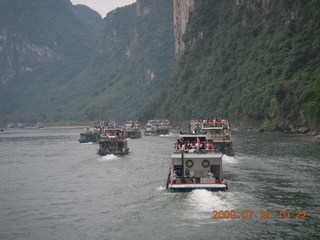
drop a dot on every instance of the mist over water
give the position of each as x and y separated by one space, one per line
53 187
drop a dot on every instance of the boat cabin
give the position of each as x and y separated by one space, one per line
197 168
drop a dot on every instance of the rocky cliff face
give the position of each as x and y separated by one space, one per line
181 12
20 56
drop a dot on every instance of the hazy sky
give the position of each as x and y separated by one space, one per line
103 6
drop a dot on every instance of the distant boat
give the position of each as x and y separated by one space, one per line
157 127
11 125
90 134
132 129
20 125
216 129
113 142
219 131
39 125
93 132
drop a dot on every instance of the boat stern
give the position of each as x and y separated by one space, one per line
188 187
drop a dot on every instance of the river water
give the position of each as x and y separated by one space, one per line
53 187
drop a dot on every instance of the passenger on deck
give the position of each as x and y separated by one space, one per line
183 147
192 150
211 147
207 146
174 177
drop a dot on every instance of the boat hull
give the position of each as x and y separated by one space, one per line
188 187
105 153
87 141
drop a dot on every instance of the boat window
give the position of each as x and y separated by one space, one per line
189 163
205 163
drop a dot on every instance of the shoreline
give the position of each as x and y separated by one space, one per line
65 126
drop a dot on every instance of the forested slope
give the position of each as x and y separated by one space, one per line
43 45
133 59
60 66
255 62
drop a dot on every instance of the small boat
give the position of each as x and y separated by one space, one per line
20 125
90 134
157 127
94 130
39 125
218 130
113 142
195 165
11 125
149 130
132 129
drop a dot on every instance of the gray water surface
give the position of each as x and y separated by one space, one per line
53 187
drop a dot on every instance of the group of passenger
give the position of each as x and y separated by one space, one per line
191 146
110 133
104 123
159 123
215 122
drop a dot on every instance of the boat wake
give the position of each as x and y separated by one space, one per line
206 201
169 135
108 158
161 188
201 203
229 159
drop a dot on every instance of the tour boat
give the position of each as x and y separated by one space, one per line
92 132
89 134
216 129
195 165
132 129
113 142
157 127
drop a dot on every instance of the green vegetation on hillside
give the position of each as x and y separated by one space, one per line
66 72
43 45
253 63
133 59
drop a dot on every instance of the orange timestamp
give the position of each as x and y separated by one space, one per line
249 214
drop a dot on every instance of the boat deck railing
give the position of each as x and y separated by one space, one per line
197 151
215 124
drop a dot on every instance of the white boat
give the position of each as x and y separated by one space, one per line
195 165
